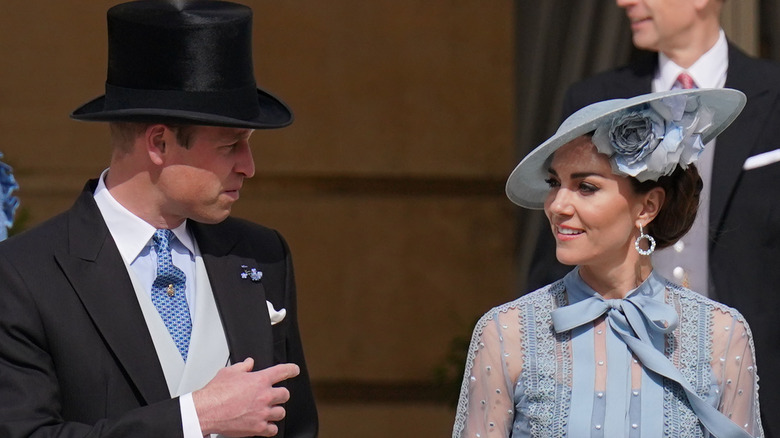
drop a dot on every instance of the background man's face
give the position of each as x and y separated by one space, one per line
660 25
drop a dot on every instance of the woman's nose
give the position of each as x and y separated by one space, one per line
560 202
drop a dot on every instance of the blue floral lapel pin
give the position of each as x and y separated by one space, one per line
251 273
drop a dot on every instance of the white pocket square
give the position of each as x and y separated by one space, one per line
276 315
762 160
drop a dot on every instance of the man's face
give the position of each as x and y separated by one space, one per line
661 25
203 181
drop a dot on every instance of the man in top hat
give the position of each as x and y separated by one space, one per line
732 250
145 310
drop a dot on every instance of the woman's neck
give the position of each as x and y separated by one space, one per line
616 283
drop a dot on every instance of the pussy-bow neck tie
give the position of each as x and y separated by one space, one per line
633 319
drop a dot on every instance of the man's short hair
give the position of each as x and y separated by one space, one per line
123 134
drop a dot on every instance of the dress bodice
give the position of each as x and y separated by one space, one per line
523 377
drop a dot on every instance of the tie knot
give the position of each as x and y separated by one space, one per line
161 239
614 304
685 81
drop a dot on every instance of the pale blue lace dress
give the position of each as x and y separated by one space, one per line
525 379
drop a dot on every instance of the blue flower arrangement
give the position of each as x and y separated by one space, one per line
8 203
650 142
252 274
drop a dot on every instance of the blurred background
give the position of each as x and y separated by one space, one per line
389 186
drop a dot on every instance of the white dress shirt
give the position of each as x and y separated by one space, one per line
133 238
686 262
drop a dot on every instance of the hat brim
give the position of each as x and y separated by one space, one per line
526 185
273 114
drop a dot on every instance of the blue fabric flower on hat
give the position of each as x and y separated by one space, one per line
650 141
8 203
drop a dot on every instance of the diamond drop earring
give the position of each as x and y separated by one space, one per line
650 241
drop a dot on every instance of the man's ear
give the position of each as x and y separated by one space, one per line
711 6
155 140
651 205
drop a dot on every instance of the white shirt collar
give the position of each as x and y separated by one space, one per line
131 233
709 71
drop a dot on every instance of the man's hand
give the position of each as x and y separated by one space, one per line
240 402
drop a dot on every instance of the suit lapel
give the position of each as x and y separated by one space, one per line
635 86
95 268
735 144
241 302
637 79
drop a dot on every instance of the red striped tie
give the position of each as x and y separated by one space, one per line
685 81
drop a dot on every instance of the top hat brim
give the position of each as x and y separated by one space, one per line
527 186
273 113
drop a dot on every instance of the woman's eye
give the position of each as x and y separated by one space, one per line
552 182
588 188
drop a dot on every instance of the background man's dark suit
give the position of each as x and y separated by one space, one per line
744 250
76 355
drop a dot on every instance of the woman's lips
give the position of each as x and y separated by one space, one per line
567 233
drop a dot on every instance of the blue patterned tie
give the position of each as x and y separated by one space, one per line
168 294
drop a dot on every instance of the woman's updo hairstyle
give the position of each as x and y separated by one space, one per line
681 203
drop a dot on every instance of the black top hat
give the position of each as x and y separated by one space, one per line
183 61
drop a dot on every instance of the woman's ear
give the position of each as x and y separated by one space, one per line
651 205
154 138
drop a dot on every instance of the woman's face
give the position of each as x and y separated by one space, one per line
593 213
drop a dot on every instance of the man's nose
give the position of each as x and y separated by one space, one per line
245 163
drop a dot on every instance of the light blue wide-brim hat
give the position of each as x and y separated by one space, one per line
526 185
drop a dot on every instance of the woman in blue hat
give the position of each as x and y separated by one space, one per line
613 349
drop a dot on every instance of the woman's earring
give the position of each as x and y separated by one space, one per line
650 241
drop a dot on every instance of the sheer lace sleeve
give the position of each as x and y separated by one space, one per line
486 404
733 363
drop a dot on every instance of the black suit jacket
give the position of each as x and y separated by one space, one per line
744 250
76 358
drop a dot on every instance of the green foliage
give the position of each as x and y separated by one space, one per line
21 220
448 375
